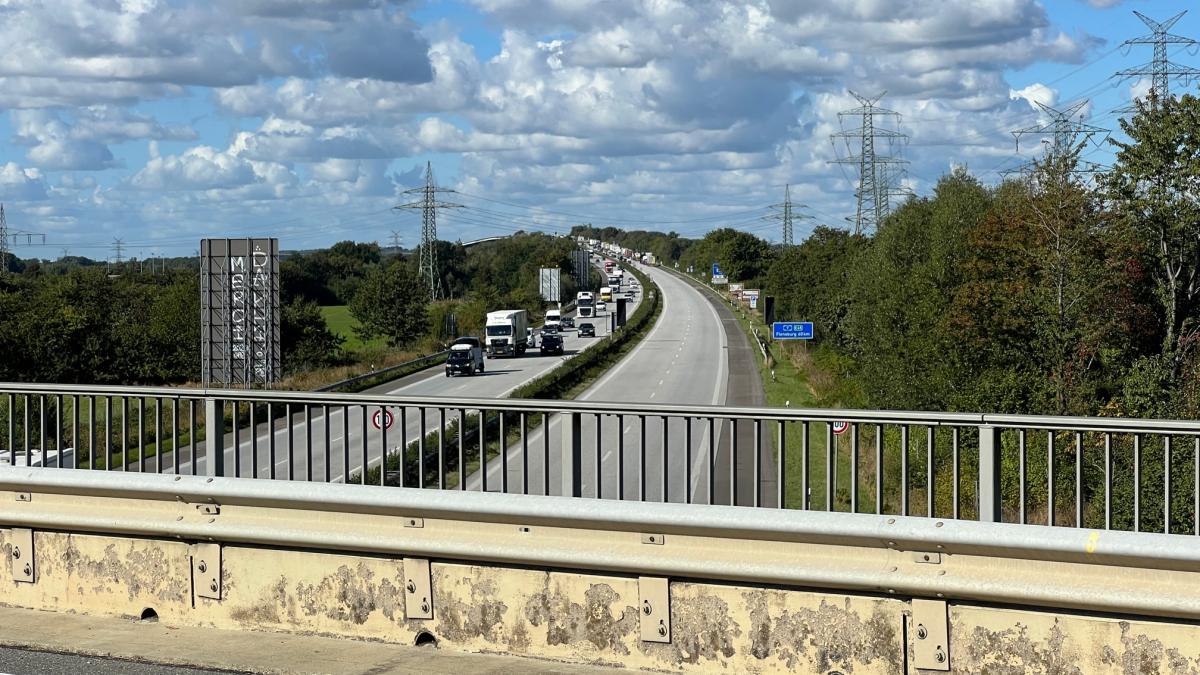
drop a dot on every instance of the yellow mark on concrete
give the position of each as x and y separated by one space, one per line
1093 539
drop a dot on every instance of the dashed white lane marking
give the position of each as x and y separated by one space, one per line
652 394
660 381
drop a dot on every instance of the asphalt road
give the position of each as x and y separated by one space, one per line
24 662
343 434
684 359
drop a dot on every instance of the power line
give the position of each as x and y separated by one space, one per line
875 175
429 205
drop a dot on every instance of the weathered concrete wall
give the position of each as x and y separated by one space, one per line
580 617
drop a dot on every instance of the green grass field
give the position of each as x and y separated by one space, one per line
343 323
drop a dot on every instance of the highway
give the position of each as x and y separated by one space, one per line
344 433
684 359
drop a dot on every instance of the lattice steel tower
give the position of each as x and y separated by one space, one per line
9 238
3 242
1160 69
786 214
1063 128
876 172
429 204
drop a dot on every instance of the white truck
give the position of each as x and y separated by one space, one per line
507 332
585 304
553 318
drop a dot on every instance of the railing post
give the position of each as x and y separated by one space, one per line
989 474
572 454
214 436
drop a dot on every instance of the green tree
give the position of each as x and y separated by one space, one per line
392 303
896 328
809 280
306 341
1153 188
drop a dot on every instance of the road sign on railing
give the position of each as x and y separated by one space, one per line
792 330
382 418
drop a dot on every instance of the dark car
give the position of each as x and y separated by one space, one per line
552 343
464 359
586 330
568 322
549 328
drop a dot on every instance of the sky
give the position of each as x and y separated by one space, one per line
161 122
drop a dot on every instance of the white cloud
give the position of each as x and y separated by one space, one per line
21 185
640 108
1036 93
82 143
206 168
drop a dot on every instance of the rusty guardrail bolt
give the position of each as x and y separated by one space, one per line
939 656
662 630
28 570
16 553
425 606
213 586
646 608
411 587
922 633
203 567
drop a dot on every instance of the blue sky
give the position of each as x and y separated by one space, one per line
161 122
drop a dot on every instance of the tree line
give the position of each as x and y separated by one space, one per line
1060 292
75 320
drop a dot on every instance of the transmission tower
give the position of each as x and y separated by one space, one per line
396 238
876 172
118 247
785 214
429 204
1160 69
10 237
1064 131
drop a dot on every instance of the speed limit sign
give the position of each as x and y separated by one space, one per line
382 418
840 428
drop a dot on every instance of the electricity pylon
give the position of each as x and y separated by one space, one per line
429 205
876 178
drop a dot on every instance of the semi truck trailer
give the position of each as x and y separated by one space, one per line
507 332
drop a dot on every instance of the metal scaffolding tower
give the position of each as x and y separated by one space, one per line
429 205
878 174
1160 69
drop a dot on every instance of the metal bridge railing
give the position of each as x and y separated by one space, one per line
1100 473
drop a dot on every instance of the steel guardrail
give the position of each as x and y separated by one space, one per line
1059 568
1110 473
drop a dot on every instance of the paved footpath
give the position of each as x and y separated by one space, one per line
33 643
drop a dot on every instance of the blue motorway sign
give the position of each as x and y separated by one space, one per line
717 271
792 330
